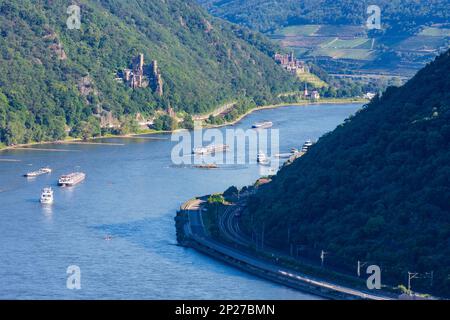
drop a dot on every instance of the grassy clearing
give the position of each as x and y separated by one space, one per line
300 30
312 79
415 43
435 32
299 51
345 44
369 44
355 54
342 31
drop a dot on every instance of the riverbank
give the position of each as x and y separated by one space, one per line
301 103
191 233
152 131
70 140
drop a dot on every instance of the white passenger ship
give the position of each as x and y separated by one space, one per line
39 172
71 179
210 149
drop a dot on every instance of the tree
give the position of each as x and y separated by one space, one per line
128 125
3 110
86 129
165 123
56 129
14 132
188 122
231 193
216 199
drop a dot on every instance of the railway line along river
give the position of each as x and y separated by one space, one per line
117 226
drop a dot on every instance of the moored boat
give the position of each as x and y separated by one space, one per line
71 179
308 144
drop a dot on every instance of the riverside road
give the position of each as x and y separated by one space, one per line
228 225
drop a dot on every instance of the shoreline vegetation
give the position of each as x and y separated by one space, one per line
300 103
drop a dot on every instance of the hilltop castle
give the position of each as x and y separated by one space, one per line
136 76
290 62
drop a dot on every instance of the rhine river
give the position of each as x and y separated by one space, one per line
131 192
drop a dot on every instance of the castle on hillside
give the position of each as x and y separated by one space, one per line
290 62
136 76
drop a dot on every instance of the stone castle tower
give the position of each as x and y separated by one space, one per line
136 76
137 80
157 78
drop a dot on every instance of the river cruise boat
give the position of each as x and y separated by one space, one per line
71 179
207 166
47 196
262 125
39 172
211 149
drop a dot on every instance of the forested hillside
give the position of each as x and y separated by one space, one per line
375 189
53 79
268 15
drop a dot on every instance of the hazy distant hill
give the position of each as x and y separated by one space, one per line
334 34
375 189
51 76
267 15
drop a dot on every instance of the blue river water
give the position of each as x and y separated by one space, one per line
131 192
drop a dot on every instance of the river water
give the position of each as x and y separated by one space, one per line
131 192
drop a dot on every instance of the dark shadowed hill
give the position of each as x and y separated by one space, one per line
375 189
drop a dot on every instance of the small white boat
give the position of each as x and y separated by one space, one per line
262 159
71 179
262 125
39 172
47 196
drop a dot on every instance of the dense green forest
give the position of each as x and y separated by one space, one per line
53 80
268 15
376 189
